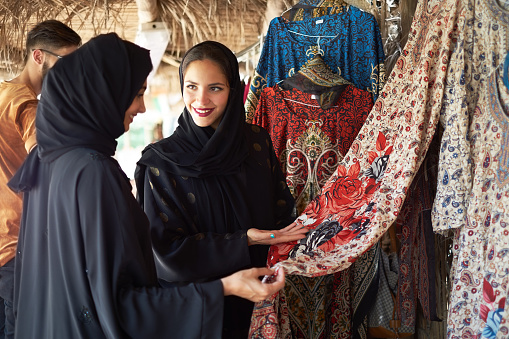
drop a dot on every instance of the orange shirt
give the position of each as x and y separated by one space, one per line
18 104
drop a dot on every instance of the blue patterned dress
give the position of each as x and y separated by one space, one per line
349 42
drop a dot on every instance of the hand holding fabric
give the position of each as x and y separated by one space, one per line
246 284
290 233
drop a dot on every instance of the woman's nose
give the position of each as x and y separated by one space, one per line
202 98
142 108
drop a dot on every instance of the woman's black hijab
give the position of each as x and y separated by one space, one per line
84 99
202 151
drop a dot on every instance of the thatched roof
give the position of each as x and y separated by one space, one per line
236 23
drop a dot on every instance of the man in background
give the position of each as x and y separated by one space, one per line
47 42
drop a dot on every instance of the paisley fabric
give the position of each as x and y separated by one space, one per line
473 190
366 193
317 71
349 42
480 275
364 5
416 280
315 77
303 11
450 70
310 141
481 47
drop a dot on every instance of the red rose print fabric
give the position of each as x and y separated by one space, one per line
366 192
452 70
310 141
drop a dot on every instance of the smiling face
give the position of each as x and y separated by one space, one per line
205 92
137 106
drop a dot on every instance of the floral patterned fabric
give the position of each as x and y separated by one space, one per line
310 141
452 70
416 280
349 42
480 273
303 11
365 194
481 47
473 185
315 77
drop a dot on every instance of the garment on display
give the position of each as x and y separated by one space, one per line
449 73
313 111
355 52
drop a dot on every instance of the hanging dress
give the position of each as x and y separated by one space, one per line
472 191
450 69
364 196
310 141
203 189
349 42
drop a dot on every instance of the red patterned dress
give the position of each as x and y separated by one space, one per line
310 141
365 194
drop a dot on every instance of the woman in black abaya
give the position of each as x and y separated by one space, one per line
84 266
213 191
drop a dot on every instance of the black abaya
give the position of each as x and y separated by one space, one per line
84 267
202 189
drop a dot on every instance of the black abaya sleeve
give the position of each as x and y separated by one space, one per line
121 271
84 266
184 252
284 211
198 225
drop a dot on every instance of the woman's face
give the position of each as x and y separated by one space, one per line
205 92
137 106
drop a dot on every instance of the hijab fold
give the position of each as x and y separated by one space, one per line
84 99
199 152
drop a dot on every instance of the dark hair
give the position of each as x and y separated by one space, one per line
51 34
213 51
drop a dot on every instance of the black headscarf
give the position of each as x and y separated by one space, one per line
84 99
85 96
199 152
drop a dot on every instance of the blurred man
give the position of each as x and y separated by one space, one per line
46 43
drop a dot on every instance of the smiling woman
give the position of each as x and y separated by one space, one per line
84 246
206 92
137 106
213 191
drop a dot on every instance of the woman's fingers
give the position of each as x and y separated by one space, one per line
293 227
247 284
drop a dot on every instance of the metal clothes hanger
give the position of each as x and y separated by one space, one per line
301 103
297 6
313 36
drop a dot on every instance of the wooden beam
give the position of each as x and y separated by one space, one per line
147 11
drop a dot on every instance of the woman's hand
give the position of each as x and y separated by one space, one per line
247 284
291 232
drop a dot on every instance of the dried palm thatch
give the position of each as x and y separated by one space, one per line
87 17
236 23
